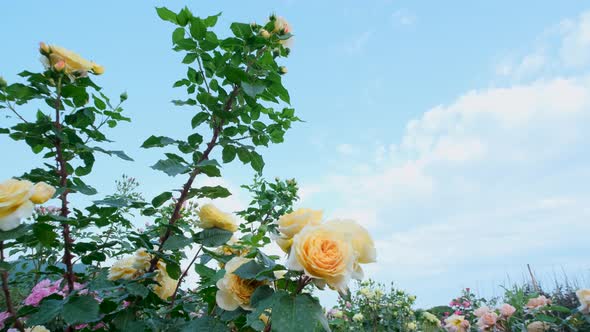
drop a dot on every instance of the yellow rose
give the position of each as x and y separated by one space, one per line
292 223
284 243
211 216
457 323
74 63
233 291
166 285
42 192
38 328
584 298
358 317
323 253
15 203
44 48
123 269
142 260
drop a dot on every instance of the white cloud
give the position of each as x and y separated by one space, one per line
494 177
346 149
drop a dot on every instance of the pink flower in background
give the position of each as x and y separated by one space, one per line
458 312
487 320
466 304
481 311
45 288
41 290
348 305
537 302
507 310
3 316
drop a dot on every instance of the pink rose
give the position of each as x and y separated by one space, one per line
481 311
466 304
458 312
537 302
3 316
507 310
487 320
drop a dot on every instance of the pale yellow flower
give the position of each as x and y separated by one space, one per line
74 63
233 291
38 328
411 326
431 319
166 285
584 298
284 243
142 260
323 253
42 192
358 317
281 25
362 243
123 269
264 34
15 203
292 223
211 216
457 323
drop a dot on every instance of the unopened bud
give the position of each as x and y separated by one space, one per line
283 70
264 34
60 65
3 83
44 48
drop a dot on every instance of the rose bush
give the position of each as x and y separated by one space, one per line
93 268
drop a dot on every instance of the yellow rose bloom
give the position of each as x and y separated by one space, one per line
166 285
123 269
233 291
142 260
584 298
292 223
42 192
211 216
38 328
323 253
74 62
457 323
15 203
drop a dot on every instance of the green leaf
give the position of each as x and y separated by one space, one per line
157 141
170 166
198 28
190 58
14 233
177 241
199 118
81 309
161 198
48 310
211 192
256 161
228 154
44 233
213 237
252 90
166 14
177 35
254 271
137 289
173 270
241 30
205 323
297 313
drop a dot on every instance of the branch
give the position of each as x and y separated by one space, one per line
63 182
6 290
184 275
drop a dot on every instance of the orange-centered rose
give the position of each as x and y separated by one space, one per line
323 253
234 291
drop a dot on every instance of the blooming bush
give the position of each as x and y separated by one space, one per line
93 269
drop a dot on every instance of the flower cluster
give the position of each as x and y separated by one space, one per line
17 200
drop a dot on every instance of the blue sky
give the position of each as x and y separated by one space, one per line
456 133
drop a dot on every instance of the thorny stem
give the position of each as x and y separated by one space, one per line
184 275
9 306
187 186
